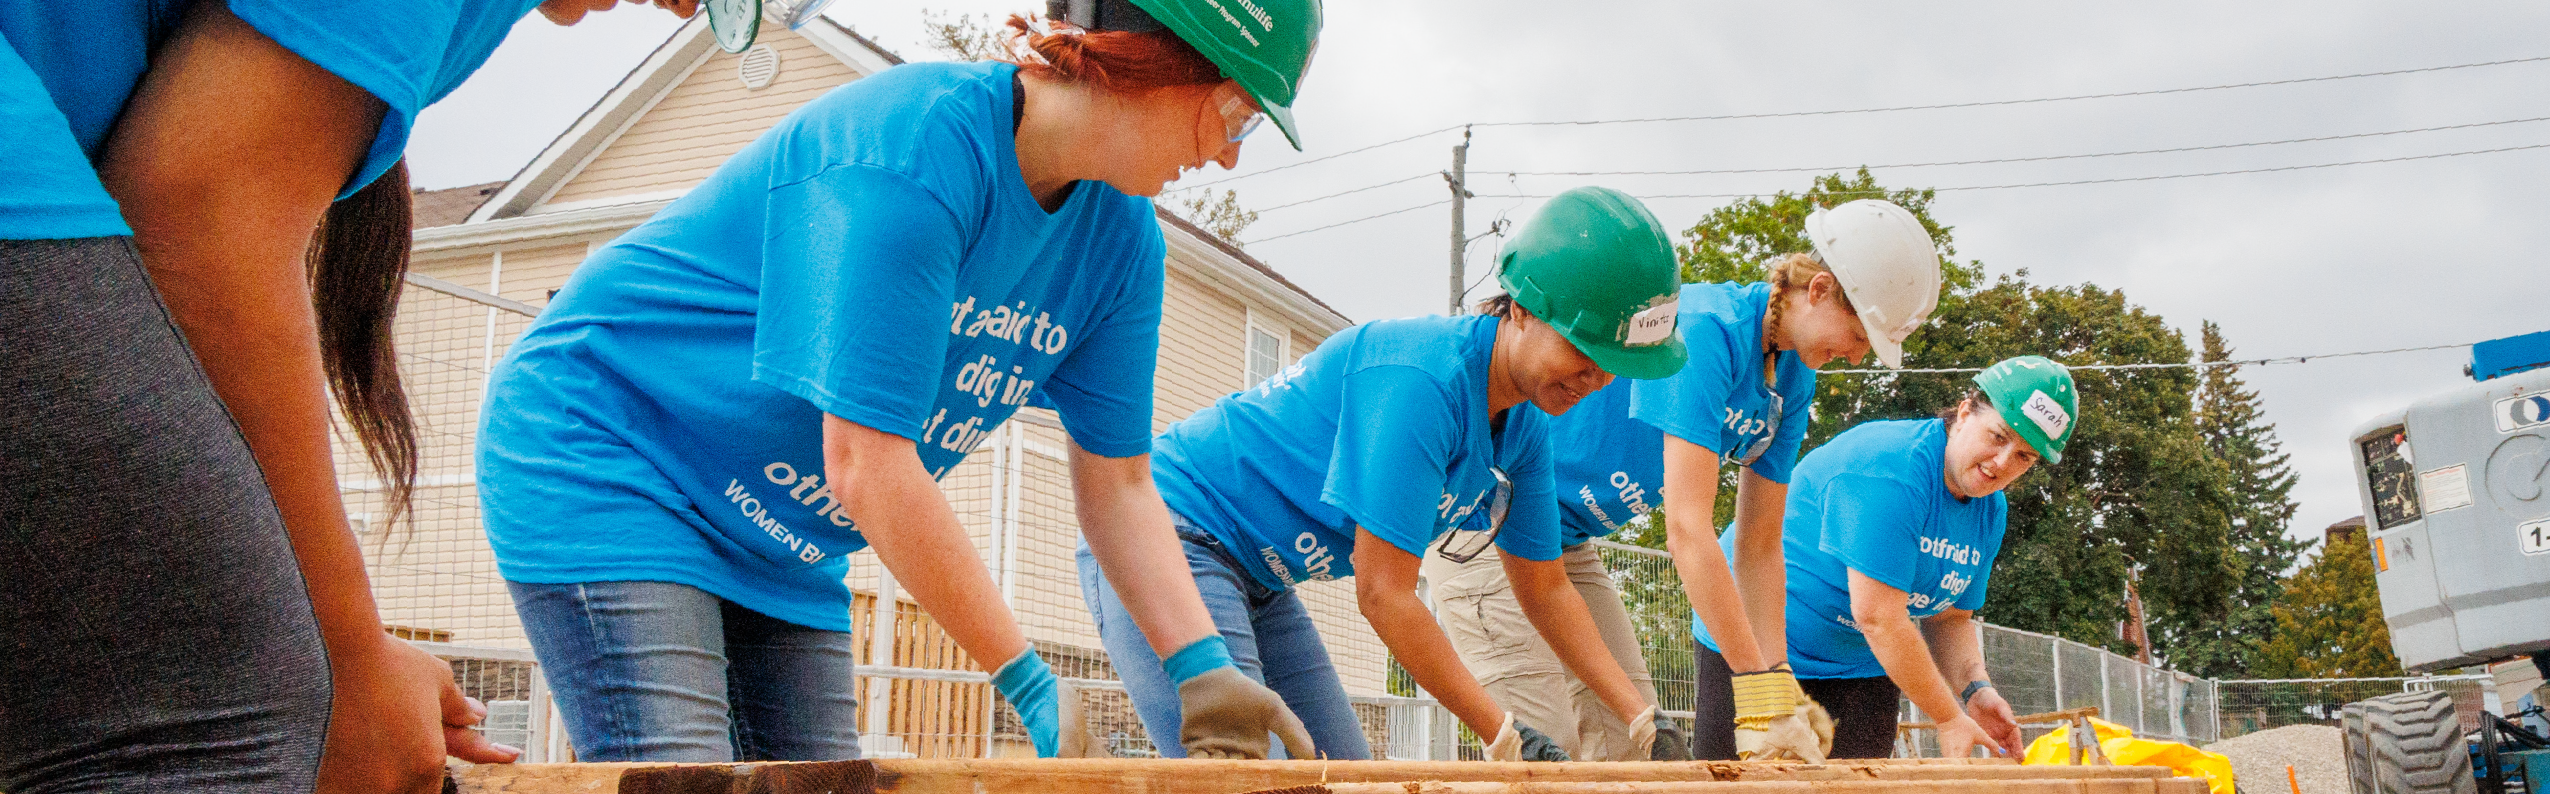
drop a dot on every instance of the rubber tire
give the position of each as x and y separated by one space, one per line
2409 743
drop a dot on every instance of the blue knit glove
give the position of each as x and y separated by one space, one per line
1029 686
1197 658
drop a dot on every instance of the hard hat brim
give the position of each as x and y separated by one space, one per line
1889 352
1648 362
1282 115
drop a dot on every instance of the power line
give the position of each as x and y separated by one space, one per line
2109 180
1436 203
2005 102
1416 137
1426 175
1704 172
2160 365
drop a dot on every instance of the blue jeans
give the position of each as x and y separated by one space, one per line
1252 618
654 671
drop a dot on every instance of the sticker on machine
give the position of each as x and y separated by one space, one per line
2444 489
2534 537
2522 411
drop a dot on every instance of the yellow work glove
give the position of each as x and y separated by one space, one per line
1816 718
1774 721
1518 742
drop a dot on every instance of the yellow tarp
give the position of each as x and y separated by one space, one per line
2123 749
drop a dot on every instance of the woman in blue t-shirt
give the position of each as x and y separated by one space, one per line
1891 533
678 457
1392 436
173 329
1871 280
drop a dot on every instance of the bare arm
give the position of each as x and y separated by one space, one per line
1128 530
224 160
1760 568
1956 643
1880 611
1386 592
905 517
1558 612
1691 536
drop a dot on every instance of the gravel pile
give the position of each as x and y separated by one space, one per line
2316 752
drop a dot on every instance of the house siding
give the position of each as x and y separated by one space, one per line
705 119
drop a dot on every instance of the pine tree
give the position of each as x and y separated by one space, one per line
2259 484
2329 622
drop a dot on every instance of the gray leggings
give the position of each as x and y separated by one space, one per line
154 631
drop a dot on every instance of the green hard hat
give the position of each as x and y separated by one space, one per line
1264 45
1596 266
2035 396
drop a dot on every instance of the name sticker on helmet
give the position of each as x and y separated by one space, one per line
1651 326
2047 414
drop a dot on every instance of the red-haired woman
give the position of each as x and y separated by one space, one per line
720 406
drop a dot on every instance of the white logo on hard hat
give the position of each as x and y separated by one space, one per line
2047 414
1653 325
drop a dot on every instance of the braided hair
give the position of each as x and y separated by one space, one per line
1792 272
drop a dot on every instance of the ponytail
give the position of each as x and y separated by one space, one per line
1792 272
357 264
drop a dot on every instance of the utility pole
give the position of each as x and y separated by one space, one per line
1458 180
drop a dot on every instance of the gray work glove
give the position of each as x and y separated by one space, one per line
1671 743
1074 740
1225 715
1516 741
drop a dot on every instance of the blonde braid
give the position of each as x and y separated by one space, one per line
1794 271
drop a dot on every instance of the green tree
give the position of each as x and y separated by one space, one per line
2135 493
2329 622
1222 215
2259 488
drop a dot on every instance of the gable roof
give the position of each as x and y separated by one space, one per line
517 208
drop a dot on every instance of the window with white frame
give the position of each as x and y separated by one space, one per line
1266 352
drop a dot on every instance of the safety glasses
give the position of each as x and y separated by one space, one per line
1464 545
1753 452
1240 117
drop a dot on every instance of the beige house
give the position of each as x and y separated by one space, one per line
488 254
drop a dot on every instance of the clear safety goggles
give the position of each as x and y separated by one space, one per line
1240 117
1464 545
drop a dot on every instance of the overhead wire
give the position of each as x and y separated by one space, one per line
1436 203
1349 192
2007 102
2157 365
2044 158
1324 158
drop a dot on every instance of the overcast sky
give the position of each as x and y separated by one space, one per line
2425 252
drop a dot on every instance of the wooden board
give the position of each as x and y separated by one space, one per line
2132 786
1075 776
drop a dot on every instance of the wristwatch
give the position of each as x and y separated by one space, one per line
1971 688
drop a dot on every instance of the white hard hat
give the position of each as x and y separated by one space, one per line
1887 266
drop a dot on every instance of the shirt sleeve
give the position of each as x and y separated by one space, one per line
1692 404
1395 437
858 277
1868 523
1103 387
407 53
1531 522
1798 407
1972 598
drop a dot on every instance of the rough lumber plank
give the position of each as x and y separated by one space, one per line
995 776
2142 786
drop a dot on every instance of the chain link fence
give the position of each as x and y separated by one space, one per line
921 696
2252 705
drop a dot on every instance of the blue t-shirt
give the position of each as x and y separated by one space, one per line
1875 500
875 257
1385 426
1609 455
67 69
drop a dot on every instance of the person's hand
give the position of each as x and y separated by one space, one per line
1223 714
1642 737
1959 737
1030 687
1516 741
1670 744
1774 720
395 713
1073 733
1999 722
569 12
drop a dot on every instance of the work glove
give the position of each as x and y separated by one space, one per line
1518 742
1671 744
1642 737
1774 720
1223 714
1030 687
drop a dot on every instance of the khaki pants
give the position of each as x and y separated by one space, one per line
1476 606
